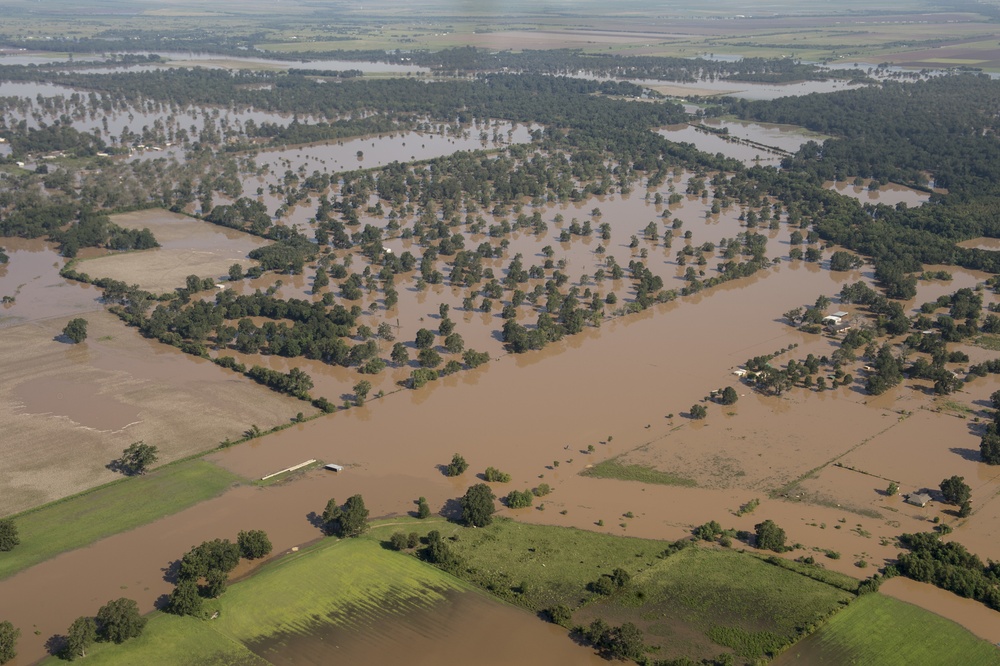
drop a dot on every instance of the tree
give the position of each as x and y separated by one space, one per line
331 514
423 509
216 583
625 642
425 339
493 475
437 551
80 636
517 499
354 517
454 343
253 544
76 330
698 412
457 466
892 489
989 448
729 396
185 599
137 458
477 506
399 354
119 620
235 272
428 358
770 536
844 261
8 641
955 490
202 560
384 332
361 390
8 535
965 510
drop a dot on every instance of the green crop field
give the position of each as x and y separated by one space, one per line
881 630
83 519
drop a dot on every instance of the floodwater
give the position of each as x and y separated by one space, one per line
521 414
890 195
462 629
974 616
228 62
750 143
31 278
75 401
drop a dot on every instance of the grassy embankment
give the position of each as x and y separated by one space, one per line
877 629
116 507
688 603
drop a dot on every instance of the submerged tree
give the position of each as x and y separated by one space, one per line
770 536
76 330
477 506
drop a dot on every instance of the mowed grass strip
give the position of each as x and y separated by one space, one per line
346 583
881 630
614 469
80 520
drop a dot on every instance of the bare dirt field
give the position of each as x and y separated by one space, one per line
188 247
68 410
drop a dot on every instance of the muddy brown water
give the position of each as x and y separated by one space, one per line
466 627
890 195
31 277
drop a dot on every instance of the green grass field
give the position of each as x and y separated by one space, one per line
538 566
613 469
732 598
83 519
881 630
351 583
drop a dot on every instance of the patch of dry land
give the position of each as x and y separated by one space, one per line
68 410
188 247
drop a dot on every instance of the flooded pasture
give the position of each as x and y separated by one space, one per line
455 630
69 410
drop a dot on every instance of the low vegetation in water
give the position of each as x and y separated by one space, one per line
615 469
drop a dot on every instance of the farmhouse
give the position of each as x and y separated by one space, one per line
834 319
918 499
